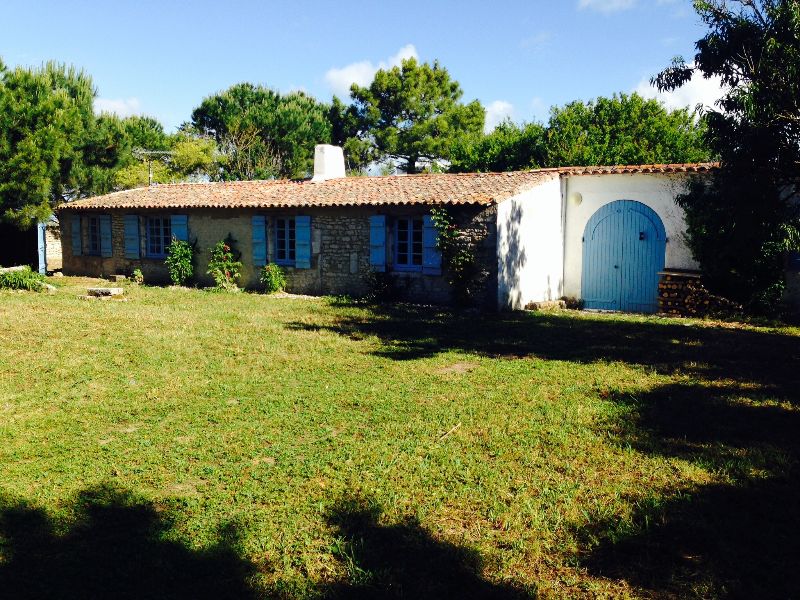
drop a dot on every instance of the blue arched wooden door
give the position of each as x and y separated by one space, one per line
624 244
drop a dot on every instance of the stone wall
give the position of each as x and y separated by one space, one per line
52 237
339 250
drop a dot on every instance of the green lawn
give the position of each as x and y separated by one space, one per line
189 444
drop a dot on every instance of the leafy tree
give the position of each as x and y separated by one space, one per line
45 119
112 143
411 113
743 221
182 156
144 132
352 134
53 148
510 147
624 129
262 133
607 131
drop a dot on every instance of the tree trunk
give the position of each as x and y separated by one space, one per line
411 165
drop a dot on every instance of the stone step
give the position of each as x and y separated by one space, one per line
100 292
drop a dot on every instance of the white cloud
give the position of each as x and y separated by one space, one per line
497 112
339 80
123 107
698 90
606 6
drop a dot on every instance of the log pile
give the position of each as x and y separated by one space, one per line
682 294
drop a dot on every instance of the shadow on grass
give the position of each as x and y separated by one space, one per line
737 416
409 332
404 561
116 548
739 538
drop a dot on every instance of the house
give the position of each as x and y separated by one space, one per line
600 234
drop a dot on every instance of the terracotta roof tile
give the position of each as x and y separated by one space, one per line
471 188
626 169
448 188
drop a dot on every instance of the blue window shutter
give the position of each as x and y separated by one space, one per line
377 242
302 242
77 240
180 227
431 257
259 241
105 236
132 246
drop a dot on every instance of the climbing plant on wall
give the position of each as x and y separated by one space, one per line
458 246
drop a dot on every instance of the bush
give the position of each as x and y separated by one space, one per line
137 276
273 278
224 266
179 261
740 229
22 279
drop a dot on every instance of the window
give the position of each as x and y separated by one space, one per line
408 244
284 241
159 236
93 236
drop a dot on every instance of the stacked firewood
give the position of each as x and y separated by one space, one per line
683 295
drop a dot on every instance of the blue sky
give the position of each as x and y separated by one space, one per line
517 57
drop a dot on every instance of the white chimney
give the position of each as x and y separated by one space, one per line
328 163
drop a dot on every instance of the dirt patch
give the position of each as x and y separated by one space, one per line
288 296
184 488
459 368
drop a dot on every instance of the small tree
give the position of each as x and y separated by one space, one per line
224 265
180 261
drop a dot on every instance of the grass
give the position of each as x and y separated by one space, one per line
189 444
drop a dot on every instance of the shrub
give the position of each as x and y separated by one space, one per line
740 227
273 278
180 261
224 266
137 276
22 279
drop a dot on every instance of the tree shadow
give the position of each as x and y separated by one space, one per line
739 538
116 547
409 332
404 561
734 412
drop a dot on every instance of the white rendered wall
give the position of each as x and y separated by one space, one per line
530 259
656 191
